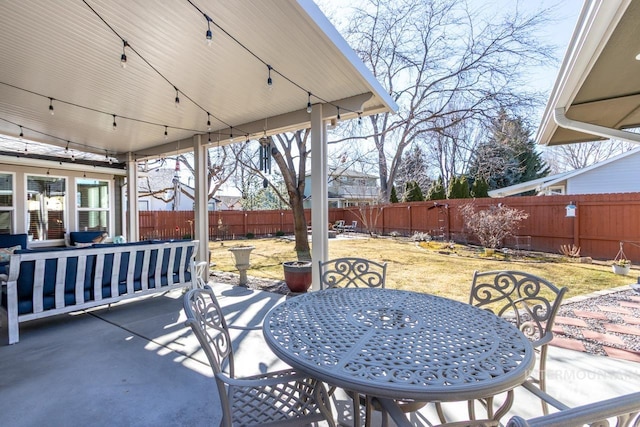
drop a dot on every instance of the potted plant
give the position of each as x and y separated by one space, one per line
621 266
297 275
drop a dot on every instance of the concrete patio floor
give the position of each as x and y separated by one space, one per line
136 364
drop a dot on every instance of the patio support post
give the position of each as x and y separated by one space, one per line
319 202
201 208
133 221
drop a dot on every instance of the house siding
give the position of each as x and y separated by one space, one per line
621 176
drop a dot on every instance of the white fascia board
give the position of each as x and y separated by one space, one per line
314 12
597 21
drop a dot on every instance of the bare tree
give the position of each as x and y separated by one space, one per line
444 64
221 164
581 155
289 152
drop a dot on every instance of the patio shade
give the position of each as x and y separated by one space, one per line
67 55
598 82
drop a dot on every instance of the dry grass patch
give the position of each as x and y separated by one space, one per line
422 267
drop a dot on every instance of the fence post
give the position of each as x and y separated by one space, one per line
576 227
410 225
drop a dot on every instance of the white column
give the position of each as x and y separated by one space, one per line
133 222
201 193
319 206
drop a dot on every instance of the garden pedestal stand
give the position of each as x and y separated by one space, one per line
241 255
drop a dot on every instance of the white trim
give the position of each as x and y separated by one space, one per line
562 120
596 23
314 12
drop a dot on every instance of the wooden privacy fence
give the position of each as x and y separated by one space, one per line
602 221
222 224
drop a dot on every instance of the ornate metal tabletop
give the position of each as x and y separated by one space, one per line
399 344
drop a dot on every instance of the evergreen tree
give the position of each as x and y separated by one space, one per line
436 191
480 188
413 167
509 155
394 195
413 192
459 188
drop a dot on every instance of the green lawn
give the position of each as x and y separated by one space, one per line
435 268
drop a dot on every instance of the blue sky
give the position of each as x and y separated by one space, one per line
558 33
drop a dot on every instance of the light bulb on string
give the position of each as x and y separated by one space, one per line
309 107
66 148
166 134
208 34
231 132
209 141
177 100
360 119
21 134
115 125
338 117
51 106
123 57
269 80
208 122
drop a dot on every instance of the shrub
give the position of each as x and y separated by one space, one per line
279 233
421 237
250 235
492 225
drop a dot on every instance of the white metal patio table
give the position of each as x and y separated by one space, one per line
399 345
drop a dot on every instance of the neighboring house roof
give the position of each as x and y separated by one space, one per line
541 184
333 172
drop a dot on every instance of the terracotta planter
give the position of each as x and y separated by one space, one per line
297 275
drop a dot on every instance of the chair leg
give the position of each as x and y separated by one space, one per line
542 376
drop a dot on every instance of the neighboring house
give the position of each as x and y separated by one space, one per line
160 182
615 175
346 188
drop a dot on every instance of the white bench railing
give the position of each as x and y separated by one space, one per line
42 283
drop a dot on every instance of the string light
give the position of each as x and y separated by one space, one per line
21 133
166 134
231 132
338 117
269 80
115 125
208 34
66 149
208 122
209 141
177 97
309 107
123 57
359 118
51 106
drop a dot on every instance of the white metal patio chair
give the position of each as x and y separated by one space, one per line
358 273
527 300
271 399
620 411
352 273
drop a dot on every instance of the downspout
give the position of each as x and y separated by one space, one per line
561 120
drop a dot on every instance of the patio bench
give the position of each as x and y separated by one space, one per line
48 282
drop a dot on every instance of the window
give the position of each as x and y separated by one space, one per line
93 204
6 203
46 203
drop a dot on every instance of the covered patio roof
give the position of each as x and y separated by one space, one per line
597 91
68 55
